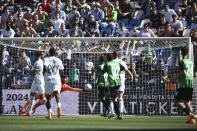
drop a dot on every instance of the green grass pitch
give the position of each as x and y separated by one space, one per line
94 123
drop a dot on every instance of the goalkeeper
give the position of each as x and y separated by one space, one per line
186 80
64 87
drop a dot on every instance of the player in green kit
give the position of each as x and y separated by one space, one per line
186 80
113 69
102 84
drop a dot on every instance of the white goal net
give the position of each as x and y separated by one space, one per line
149 59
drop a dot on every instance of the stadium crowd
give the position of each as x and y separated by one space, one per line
90 18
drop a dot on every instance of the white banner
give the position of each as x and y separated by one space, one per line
14 100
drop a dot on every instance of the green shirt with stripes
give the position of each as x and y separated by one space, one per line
187 81
113 69
103 79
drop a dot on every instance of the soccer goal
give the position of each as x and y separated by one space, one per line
150 60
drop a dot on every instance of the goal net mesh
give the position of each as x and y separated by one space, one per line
149 59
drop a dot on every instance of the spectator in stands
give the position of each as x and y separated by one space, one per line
194 23
116 5
147 32
4 52
168 12
194 8
82 5
12 6
184 9
134 32
86 13
20 24
36 24
110 19
4 15
58 2
51 32
76 32
47 22
46 6
8 32
57 22
134 72
10 80
161 72
140 66
5 61
23 83
147 8
92 26
12 22
88 66
104 4
74 74
81 24
168 32
155 18
125 10
122 31
73 16
68 7
91 45
162 23
176 24
24 63
149 52
58 10
62 31
41 14
29 31
19 12
98 13
28 15
160 5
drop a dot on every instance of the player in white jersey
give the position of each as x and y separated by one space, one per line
52 68
38 82
117 56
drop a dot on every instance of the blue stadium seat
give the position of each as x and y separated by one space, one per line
125 21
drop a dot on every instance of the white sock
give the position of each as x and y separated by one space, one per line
111 107
121 104
59 104
31 103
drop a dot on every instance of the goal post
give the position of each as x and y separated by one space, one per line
147 95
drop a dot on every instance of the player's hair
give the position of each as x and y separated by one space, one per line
38 54
109 57
52 51
184 51
102 59
116 54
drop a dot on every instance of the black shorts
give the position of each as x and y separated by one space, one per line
114 91
184 94
102 91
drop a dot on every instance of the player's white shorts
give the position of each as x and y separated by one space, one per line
37 87
51 86
122 87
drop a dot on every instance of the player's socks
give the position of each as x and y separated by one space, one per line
116 107
31 103
59 110
121 104
26 104
111 108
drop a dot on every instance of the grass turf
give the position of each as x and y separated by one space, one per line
93 123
